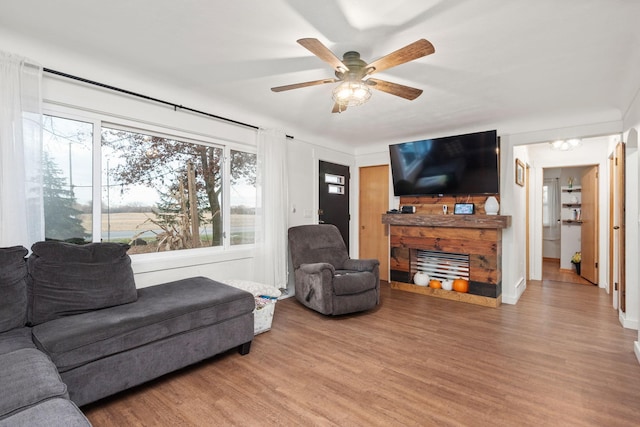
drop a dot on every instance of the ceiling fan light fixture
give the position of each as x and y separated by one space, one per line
562 145
351 93
353 73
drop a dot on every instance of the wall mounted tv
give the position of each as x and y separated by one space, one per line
454 165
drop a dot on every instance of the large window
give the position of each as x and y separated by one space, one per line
158 193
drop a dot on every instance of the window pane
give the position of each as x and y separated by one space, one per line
67 173
243 197
160 194
545 205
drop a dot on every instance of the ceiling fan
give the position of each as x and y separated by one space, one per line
353 73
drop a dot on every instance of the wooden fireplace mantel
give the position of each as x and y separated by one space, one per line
455 221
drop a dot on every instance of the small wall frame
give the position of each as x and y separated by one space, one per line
519 173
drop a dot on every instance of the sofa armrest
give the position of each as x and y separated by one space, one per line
317 267
361 264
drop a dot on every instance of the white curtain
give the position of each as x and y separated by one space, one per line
272 213
552 231
21 211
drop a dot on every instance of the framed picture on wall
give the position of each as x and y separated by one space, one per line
519 173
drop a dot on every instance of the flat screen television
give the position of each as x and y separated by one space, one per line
454 165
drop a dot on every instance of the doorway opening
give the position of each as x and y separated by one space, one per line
570 224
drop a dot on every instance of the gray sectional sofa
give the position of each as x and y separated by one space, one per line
74 328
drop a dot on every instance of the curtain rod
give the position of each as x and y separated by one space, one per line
149 98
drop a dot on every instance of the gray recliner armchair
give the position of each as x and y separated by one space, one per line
326 279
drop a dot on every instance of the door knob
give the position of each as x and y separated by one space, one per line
616 227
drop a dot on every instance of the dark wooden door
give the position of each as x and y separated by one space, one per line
333 195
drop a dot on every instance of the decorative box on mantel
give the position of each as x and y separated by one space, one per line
477 236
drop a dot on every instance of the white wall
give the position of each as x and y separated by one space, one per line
631 125
513 200
631 317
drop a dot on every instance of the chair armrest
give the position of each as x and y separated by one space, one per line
317 267
361 264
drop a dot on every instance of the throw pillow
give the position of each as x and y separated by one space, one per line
67 279
13 288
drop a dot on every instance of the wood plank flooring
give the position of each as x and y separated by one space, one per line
551 271
557 358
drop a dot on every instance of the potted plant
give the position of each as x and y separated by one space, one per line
576 259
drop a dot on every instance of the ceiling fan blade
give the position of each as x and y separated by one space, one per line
305 84
337 108
415 50
396 89
323 52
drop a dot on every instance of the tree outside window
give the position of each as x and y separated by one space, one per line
160 193
174 189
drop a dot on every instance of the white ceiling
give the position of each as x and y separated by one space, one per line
512 65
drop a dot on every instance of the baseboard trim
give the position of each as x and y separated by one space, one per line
626 323
521 286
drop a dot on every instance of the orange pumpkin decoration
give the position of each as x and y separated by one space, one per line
435 284
461 285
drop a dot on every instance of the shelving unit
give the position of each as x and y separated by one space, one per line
571 205
576 189
571 222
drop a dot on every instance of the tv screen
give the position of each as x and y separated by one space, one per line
454 165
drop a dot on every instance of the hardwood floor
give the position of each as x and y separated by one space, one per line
551 271
557 358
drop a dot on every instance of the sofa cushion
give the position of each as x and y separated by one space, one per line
16 339
55 412
349 282
66 279
13 288
27 377
160 312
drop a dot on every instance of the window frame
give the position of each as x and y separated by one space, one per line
170 259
